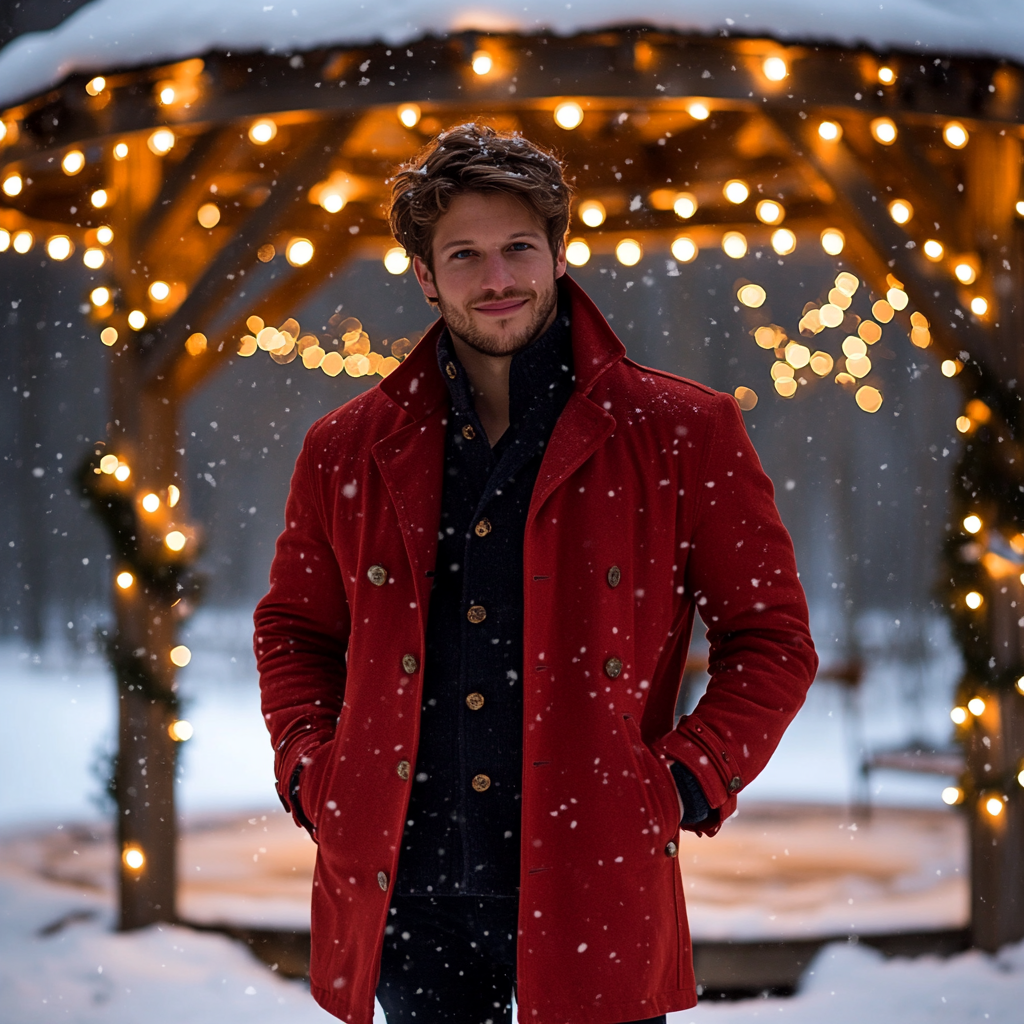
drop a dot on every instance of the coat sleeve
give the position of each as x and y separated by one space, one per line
741 576
301 637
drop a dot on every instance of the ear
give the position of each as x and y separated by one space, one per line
560 263
425 278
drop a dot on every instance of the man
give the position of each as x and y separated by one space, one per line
479 613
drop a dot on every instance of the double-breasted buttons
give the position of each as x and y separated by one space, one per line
403 770
481 782
377 575
483 527
671 849
614 576
468 432
475 701
613 668
735 784
476 613
382 880
451 371
409 664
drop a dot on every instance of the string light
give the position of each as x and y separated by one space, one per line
396 260
23 241
775 69
592 213
159 291
124 580
262 131
886 75
99 296
830 131
833 241
958 715
109 463
1020 207
109 336
972 523
952 795
73 162
979 306
104 235
685 205
783 241
797 355
133 858
868 399
121 150
409 114
746 398
173 494
136 319
175 540
577 252
5 240
59 247
684 249
180 730
195 344
94 258
161 141
883 129
994 806
100 198
180 655
965 271
734 244
95 85
698 111
770 212
963 424
13 185
167 95
482 62
954 134
150 502
736 191
901 211
821 363
1020 685
950 367
568 115
208 215
933 250
122 472
974 600
299 252
629 252
752 295
976 706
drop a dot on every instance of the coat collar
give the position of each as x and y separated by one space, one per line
417 387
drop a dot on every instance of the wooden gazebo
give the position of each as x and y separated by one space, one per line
211 195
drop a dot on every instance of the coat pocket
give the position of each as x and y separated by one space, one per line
654 779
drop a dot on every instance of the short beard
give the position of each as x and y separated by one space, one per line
460 323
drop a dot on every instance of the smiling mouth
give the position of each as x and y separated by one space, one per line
503 308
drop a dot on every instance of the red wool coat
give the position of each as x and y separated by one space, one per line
650 503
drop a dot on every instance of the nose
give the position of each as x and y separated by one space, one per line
497 275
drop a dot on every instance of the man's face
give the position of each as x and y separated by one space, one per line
494 273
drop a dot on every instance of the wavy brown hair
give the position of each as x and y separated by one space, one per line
475 158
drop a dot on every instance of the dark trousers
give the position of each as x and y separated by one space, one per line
451 960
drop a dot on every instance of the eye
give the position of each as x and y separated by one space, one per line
462 253
520 246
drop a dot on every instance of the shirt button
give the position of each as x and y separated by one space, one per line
613 668
409 664
451 371
614 576
481 782
475 701
377 575
671 849
477 613
403 770
468 432
483 527
382 880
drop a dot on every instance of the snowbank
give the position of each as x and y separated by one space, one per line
121 33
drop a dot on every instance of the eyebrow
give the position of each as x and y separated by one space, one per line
463 242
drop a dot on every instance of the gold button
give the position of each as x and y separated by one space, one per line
382 880
671 849
475 701
482 528
613 668
409 664
403 770
377 575
450 370
614 576
481 782
477 613
735 784
468 432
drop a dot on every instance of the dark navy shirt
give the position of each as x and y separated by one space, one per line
463 827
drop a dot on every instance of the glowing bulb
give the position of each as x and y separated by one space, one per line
698 111
73 162
952 795
99 296
963 424
568 115
833 241
120 150
734 244
886 75
175 540
13 185
830 131
299 252
94 258
884 130
994 806
629 252
109 336
195 344
104 235
775 69
979 306
965 272
685 205
262 131
95 85
684 249
150 502
868 399
122 472
396 260
976 706
933 250
1020 207
59 247
173 494
208 215
972 523
577 252
136 319
100 198
482 62
973 600
161 141
5 240
409 115
592 213
180 655
949 368
181 730
955 135
125 580
159 291
167 95
133 858
770 212
23 241
108 464
1020 685
783 241
332 202
753 295
901 211
736 191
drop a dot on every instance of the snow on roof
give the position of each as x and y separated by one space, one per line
122 33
